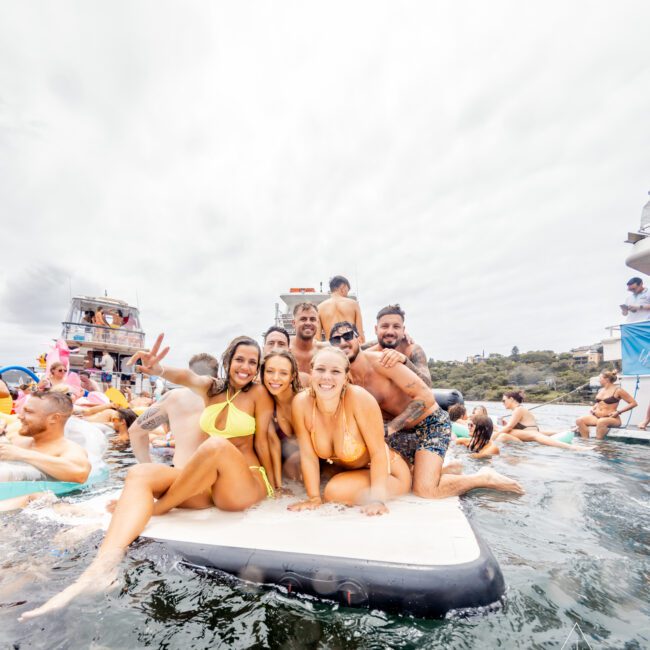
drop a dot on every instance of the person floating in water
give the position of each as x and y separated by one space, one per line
41 443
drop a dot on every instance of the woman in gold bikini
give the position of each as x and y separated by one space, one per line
224 471
342 424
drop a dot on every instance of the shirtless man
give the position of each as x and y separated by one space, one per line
41 443
396 347
180 409
275 338
303 346
415 426
340 308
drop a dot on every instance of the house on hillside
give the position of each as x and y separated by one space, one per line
587 354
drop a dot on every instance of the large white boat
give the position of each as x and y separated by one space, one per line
121 337
296 295
636 383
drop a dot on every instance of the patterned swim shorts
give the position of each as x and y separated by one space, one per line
432 434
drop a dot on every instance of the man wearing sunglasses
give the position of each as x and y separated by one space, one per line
415 425
396 347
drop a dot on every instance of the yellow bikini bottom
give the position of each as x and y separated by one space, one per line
270 493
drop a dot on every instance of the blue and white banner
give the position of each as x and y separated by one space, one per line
635 345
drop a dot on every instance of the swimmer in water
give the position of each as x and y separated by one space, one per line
480 440
42 444
224 471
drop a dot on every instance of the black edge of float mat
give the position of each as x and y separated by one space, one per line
421 591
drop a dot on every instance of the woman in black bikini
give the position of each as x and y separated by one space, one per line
522 425
605 412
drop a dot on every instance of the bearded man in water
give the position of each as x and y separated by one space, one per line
42 444
415 425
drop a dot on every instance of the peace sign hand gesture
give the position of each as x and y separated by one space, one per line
150 360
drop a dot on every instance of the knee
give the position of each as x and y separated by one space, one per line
332 492
425 491
213 446
140 472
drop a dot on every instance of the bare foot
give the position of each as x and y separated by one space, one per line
500 482
99 576
582 448
110 506
642 426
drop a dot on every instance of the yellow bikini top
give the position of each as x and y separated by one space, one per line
238 423
351 448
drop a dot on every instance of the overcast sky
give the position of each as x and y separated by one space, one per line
478 162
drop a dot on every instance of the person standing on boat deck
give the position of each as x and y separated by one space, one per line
339 308
605 412
415 425
303 345
396 347
108 364
179 409
637 303
224 471
42 444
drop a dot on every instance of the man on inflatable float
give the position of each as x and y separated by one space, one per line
42 445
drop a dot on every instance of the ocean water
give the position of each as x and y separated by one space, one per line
574 551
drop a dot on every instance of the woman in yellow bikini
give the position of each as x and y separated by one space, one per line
342 424
224 470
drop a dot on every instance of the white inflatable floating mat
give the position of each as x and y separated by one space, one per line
424 558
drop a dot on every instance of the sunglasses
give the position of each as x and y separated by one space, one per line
337 340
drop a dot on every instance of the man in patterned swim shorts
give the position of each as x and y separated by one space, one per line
414 424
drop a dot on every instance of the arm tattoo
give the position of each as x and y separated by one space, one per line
153 417
418 364
413 411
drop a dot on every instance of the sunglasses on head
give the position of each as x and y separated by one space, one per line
336 340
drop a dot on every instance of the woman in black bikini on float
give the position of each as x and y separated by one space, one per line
522 425
605 412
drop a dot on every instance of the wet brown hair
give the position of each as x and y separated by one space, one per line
229 353
482 432
456 412
517 395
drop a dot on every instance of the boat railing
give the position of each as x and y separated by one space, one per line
614 331
87 333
